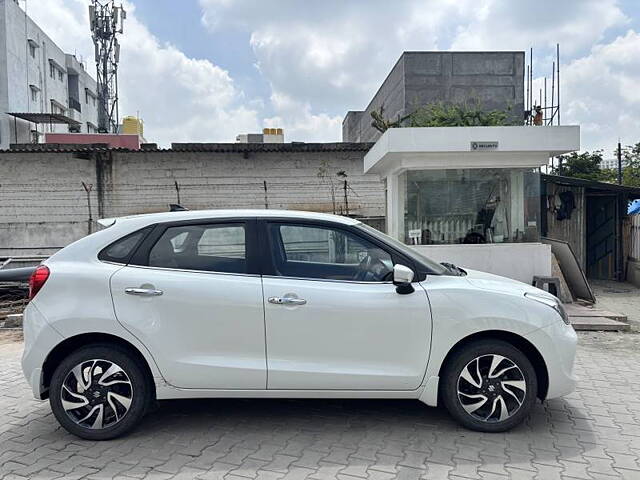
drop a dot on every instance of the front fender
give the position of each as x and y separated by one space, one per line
460 309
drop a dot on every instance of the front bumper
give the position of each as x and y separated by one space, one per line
557 344
39 339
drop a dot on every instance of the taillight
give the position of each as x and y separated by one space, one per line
37 280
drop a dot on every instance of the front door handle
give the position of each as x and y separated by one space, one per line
287 300
143 292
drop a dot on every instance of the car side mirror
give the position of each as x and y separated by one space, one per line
402 278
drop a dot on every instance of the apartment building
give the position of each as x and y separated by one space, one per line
42 88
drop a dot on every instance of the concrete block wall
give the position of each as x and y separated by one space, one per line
43 205
422 78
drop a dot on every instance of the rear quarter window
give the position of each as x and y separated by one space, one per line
122 249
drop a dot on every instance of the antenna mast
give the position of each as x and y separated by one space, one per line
106 21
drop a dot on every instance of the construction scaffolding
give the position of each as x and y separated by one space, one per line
543 110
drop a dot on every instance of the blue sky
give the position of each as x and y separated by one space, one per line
206 70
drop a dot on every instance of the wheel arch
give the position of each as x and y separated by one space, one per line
71 344
521 343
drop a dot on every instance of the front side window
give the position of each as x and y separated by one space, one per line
211 247
308 251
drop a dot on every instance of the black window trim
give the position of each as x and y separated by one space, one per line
268 262
141 255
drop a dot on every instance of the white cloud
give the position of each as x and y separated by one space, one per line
330 57
508 25
600 92
298 122
179 98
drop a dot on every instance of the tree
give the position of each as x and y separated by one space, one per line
585 165
631 162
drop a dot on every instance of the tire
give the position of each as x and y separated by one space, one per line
95 379
476 404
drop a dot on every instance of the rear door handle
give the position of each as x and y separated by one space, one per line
143 292
287 301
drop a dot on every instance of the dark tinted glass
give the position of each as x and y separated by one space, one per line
213 248
121 250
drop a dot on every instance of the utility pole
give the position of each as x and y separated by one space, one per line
106 21
619 163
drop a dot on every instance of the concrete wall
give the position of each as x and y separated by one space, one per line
4 86
519 261
43 206
421 78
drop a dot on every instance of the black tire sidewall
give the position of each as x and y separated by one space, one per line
132 368
449 392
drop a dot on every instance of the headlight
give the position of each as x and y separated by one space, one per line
550 302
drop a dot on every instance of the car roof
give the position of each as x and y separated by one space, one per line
151 218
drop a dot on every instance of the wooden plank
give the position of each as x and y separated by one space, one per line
598 324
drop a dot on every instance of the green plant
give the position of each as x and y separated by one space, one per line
469 114
381 123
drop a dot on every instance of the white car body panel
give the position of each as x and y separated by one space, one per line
347 336
351 340
206 329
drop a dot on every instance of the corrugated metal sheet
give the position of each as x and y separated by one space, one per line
194 147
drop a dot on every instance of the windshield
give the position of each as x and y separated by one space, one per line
433 266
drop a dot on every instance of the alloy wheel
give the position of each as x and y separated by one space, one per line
96 394
491 388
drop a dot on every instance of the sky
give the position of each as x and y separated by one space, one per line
207 70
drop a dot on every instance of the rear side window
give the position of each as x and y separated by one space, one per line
121 250
210 247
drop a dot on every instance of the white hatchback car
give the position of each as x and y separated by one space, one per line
264 303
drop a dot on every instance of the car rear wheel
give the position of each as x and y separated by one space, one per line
489 386
99 392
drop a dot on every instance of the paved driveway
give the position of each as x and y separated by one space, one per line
593 433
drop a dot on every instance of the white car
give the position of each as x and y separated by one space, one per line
264 303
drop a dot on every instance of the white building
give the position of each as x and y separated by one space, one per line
40 82
471 195
611 164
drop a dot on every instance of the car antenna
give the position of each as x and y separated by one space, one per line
175 207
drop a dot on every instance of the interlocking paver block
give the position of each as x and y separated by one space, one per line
594 433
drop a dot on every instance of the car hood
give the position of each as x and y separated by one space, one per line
489 281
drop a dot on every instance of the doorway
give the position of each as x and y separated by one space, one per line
601 237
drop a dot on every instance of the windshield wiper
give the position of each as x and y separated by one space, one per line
454 269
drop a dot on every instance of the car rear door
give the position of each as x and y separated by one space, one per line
193 295
332 325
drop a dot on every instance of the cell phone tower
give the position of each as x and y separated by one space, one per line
106 21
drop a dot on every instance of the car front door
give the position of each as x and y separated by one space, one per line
334 320
193 296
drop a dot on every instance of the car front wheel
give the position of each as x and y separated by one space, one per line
99 392
489 386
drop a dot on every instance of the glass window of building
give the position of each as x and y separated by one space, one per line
471 205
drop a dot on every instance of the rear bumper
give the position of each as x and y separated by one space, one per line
39 339
557 344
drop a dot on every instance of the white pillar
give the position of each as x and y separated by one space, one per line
396 193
